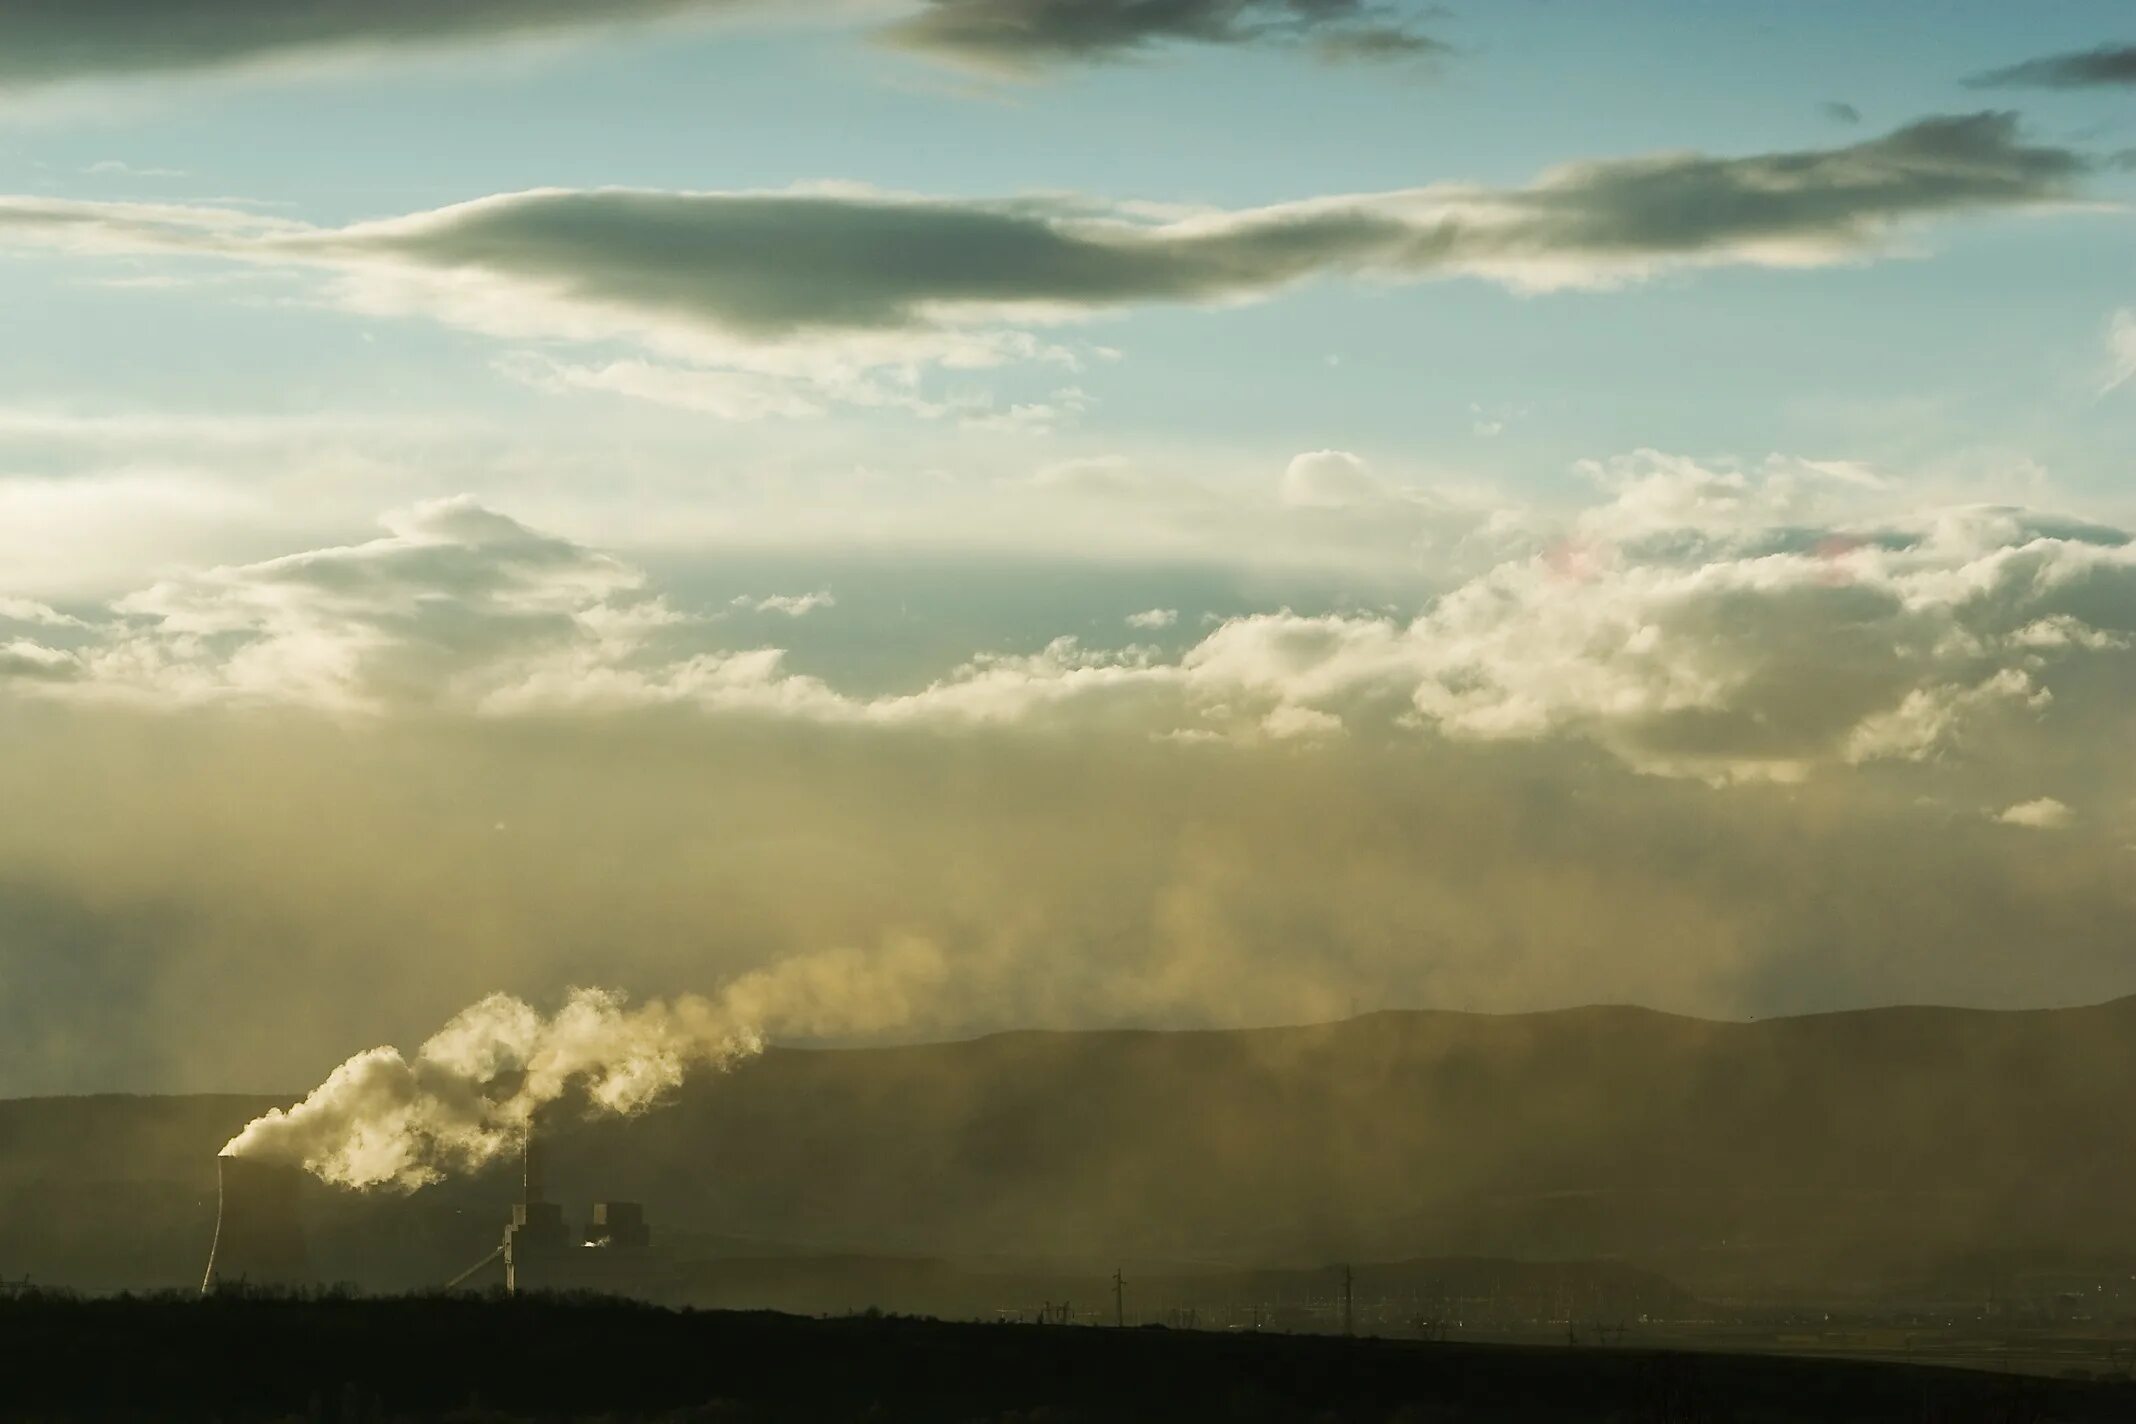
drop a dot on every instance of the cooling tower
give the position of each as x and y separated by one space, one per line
259 1237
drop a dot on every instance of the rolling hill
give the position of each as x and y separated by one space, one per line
1829 1153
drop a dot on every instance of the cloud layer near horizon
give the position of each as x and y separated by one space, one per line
1715 623
239 901
1730 738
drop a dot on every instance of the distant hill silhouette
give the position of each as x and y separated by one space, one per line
1832 1152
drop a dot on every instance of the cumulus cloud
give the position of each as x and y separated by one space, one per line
1153 619
34 662
1332 479
26 610
1717 623
1018 36
2044 814
793 605
2108 64
833 287
46 42
425 614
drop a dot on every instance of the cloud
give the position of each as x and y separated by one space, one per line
119 168
1332 479
2108 64
1040 417
1716 623
726 395
425 615
1840 112
24 610
792 605
1153 619
48 42
1090 835
2044 814
2121 349
851 293
33 662
1021 36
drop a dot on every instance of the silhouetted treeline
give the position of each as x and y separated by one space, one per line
346 1360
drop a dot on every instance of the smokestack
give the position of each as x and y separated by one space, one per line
259 1236
534 1173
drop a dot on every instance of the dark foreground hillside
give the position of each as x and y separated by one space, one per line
498 1359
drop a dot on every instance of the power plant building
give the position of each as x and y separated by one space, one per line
612 1256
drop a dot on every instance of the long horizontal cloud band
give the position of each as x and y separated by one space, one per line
871 279
776 263
44 42
2106 65
1026 34
1668 627
47 41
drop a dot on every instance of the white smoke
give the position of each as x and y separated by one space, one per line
470 1093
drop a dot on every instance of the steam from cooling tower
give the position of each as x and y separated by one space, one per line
471 1092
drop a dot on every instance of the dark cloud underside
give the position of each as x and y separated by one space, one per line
774 264
50 41
45 42
1024 34
2082 69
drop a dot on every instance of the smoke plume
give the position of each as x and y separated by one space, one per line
471 1092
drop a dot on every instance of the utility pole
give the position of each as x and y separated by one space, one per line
1119 1300
1349 1319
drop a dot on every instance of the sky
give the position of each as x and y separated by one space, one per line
1192 513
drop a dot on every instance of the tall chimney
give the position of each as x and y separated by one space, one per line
259 1236
533 1182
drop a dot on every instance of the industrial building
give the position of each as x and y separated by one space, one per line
613 1255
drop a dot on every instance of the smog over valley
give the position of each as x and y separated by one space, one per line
1064 711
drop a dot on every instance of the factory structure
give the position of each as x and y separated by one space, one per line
260 1240
614 1254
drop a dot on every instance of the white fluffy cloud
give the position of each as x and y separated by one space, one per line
1689 624
793 605
2043 814
1332 479
26 610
